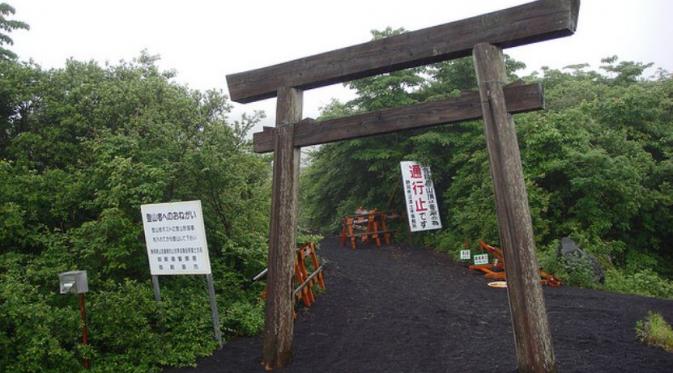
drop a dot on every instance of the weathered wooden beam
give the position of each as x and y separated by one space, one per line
526 302
308 280
520 98
523 24
279 323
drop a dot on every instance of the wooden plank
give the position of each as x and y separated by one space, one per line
529 318
308 279
520 98
279 323
523 24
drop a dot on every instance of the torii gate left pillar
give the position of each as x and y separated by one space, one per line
279 325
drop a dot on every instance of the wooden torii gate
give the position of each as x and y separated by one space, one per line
482 36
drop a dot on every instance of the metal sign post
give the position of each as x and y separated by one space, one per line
155 288
213 309
77 282
176 245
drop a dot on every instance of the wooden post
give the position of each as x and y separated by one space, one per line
279 323
85 329
531 330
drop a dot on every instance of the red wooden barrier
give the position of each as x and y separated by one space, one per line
368 226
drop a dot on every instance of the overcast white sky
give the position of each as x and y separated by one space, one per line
206 40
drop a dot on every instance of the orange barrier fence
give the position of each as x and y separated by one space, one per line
496 271
302 278
306 281
368 226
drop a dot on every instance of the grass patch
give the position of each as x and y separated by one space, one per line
655 331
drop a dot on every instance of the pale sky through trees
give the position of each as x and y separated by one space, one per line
205 40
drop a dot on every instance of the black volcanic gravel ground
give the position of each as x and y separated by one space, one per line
407 309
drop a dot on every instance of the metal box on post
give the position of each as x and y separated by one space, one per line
73 282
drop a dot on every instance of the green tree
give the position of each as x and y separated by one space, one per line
339 179
597 163
365 172
7 26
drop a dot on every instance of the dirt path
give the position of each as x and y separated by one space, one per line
404 309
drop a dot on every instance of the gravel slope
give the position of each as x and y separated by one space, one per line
406 309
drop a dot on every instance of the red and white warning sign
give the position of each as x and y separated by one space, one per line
419 192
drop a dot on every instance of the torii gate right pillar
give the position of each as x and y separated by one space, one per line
532 339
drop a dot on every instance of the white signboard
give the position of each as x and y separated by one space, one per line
480 259
419 192
465 254
176 238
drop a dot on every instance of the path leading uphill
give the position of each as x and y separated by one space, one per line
406 309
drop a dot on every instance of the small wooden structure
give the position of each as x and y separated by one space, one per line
496 271
368 226
304 279
482 36
361 225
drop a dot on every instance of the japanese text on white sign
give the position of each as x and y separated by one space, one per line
419 193
176 238
480 259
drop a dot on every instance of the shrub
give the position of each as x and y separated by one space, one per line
81 148
35 335
644 282
244 317
655 331
576 272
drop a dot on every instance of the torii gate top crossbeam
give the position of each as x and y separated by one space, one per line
524 24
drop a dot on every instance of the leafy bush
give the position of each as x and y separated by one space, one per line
303 238
81 148
655 331
644 282
245 318
576 272
36 333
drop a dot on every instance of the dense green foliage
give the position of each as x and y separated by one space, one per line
598 164
81 148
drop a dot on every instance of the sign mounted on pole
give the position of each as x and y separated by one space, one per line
419 193
176 238
176 245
